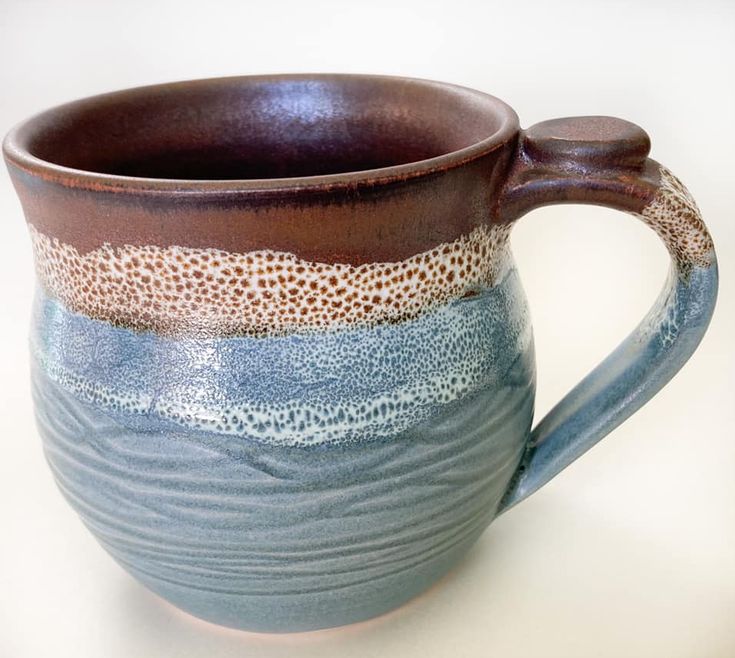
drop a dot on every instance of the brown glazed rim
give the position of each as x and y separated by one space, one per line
16 150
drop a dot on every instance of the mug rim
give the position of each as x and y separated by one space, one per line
17 152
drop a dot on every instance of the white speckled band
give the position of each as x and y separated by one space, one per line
185 291
675 217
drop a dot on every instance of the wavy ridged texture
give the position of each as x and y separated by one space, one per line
247 531
273 537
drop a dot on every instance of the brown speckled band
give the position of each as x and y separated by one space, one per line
186 291
674 216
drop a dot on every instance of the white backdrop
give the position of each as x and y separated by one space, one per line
631 551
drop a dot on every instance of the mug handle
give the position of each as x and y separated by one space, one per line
604 161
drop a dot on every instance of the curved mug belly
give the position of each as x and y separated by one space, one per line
293 482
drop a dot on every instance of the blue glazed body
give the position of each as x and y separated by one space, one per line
326 515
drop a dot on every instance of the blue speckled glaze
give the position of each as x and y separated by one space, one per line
312 480
300 389
641 365
312 524
337 512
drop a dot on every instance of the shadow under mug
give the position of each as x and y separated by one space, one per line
282 362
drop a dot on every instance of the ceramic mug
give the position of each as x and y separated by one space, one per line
282 362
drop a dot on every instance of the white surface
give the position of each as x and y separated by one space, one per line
631 551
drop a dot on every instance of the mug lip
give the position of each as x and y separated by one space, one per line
16 151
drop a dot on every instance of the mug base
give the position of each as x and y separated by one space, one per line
298 613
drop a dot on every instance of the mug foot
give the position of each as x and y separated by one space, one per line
303 612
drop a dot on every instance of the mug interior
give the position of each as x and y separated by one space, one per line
264 127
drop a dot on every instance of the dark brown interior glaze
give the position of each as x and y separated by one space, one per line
334 168
266 129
